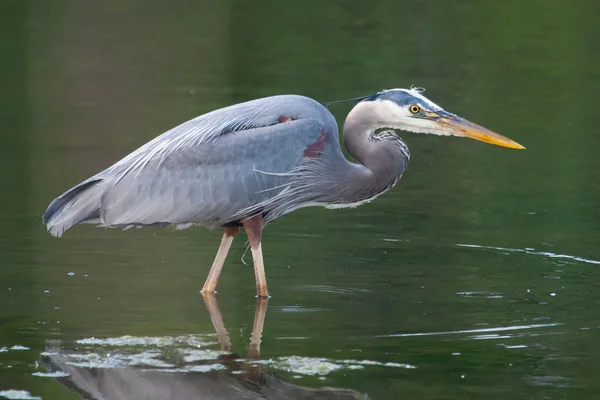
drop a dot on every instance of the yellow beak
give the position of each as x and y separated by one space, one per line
455 125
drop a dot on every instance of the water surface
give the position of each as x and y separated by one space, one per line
476 277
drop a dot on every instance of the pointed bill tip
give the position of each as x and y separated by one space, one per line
464 128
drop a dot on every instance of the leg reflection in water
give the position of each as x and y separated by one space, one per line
251 372
233 379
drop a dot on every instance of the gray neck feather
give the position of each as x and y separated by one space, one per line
382 161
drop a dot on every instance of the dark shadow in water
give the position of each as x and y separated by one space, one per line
241 380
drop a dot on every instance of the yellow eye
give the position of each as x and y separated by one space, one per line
415 109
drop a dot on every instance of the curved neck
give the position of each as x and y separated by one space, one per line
382 162
384 158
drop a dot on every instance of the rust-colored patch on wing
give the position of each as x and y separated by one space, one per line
313 150
284 119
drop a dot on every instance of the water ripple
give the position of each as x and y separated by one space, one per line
480 330
183 354
300 309
533 252
487 295
18 394
329 289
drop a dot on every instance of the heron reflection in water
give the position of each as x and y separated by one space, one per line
251 381
248 164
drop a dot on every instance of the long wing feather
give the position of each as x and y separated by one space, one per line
205 170
209 184
208 127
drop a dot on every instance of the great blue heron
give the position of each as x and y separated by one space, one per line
250 163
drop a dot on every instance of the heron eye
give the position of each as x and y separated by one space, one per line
415 109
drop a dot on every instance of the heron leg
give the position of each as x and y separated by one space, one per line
254 227
213 276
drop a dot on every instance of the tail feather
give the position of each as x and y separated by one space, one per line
78 204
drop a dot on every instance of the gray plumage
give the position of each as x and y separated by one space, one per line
269 156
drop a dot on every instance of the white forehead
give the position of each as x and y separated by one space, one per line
417 93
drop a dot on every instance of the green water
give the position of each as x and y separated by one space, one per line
479 270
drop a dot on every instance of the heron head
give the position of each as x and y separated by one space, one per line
409 110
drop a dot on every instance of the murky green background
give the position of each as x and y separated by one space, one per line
84 83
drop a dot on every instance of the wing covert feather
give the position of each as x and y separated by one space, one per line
209 182
210 127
